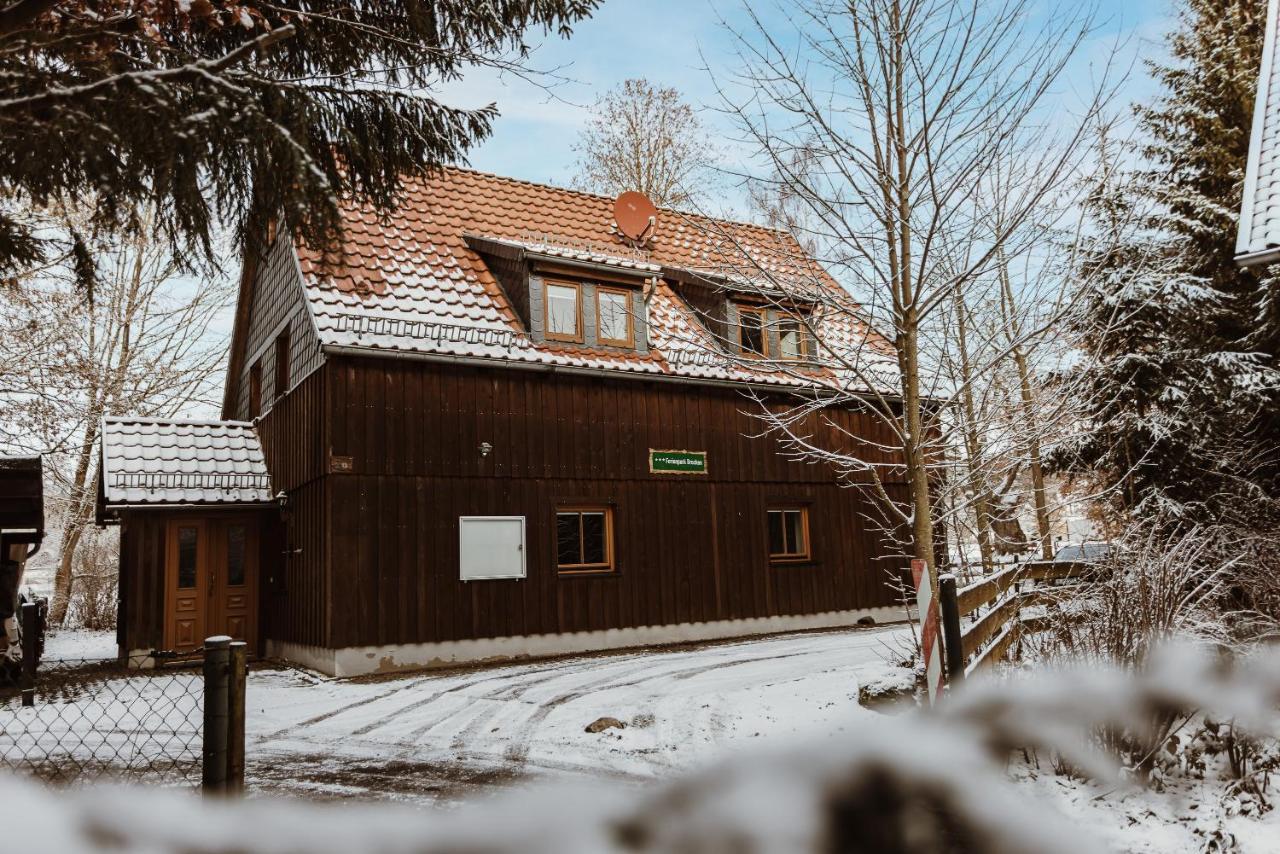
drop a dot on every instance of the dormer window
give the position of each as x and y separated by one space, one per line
564 311
752 338
586 312
614 325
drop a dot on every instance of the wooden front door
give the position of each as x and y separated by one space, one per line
212 581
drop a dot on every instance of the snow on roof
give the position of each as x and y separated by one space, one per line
1258 241
157 461
416 280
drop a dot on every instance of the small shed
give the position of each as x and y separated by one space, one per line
197 515
21 532
21 506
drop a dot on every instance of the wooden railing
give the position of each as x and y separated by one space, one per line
983 642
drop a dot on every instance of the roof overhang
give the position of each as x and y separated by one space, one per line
1259 225
823 389
22 499
590 260
759 289
111 514
1259 258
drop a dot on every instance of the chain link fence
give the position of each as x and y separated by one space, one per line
94 719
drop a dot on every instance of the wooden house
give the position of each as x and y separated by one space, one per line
500 424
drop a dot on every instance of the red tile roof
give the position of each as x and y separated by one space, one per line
412 282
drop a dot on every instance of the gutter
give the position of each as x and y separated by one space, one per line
475 361
208 505
1262 256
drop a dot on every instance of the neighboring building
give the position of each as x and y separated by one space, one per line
496 426
1258 241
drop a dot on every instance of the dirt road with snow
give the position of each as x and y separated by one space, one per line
439 737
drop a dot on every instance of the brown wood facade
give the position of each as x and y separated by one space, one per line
380 457
155 614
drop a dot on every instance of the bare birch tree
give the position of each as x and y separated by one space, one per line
141 343
647 138
904 110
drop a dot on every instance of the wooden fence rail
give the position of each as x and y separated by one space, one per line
987 640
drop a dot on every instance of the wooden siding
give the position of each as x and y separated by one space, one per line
293 436
142 556
277 305
688 548
295 561
295 558
142 572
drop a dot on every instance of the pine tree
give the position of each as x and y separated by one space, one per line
236 111
1179 373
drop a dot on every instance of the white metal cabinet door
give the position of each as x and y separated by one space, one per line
491 547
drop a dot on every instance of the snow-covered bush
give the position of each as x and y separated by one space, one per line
1158 584
95 581
926 781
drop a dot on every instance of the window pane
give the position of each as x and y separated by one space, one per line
795 532
235 555
282 363
790 342
568 551
752 331
777 543
613 316
186 557
594 548
562 310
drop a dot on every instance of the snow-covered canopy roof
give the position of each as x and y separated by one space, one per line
1259 237
148 461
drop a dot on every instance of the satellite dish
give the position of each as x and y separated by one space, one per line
634 214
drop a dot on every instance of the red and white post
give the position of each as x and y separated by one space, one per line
930 640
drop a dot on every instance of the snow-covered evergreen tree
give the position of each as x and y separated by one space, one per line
235 112
1179 367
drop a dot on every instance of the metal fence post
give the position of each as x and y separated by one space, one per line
30 645
217 671
951 639
235 716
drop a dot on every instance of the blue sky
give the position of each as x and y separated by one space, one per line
668 42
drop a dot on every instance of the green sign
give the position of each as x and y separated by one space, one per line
677 462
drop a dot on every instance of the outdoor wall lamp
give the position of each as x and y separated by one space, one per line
485 448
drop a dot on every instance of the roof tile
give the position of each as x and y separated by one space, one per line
154 461
413 282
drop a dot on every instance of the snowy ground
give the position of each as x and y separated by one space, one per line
1189 816
72 644
443 738
439 737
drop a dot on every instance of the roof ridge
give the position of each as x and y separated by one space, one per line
543 186
185 422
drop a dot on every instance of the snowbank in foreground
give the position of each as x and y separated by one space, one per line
916 782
